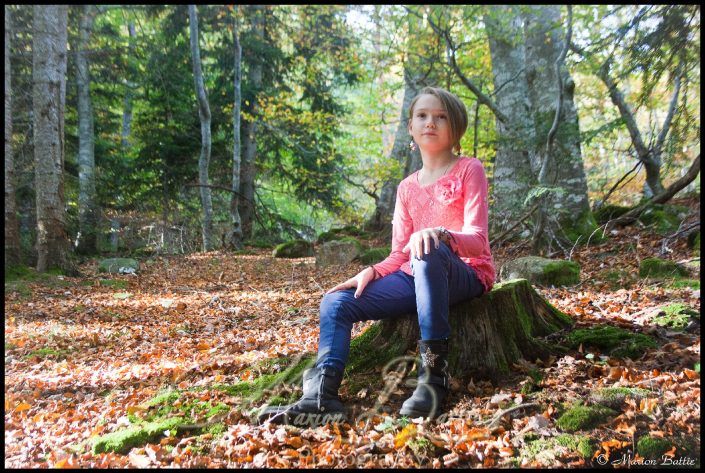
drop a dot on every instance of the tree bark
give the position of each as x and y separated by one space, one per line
488 333
127 103
48 98
235 237
88 212
248 170
12 233
204 114
512 176
381 220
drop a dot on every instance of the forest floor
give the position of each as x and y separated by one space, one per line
90 356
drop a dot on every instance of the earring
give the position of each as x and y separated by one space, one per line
412 145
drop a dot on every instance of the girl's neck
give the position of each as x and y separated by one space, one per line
438 161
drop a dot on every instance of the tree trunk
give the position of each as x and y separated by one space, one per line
12 234
488 333
381 220
127 103
204 114
87 199
512 176
235 236
48 99
544 41
248 171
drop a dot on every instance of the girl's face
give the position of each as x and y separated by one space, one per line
429 125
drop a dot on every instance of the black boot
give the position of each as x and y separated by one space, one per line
319 404
432 388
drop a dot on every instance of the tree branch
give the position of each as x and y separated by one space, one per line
663 197
482 98
671 110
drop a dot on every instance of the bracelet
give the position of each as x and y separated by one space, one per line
445 234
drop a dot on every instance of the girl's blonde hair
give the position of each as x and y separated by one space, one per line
455 108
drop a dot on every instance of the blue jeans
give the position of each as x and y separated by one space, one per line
440 279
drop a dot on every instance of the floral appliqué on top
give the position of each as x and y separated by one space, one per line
448 189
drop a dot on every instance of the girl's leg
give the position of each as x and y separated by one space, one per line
441 279
388 297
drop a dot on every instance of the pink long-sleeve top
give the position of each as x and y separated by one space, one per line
457 201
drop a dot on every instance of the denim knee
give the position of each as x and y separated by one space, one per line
332 305
440 254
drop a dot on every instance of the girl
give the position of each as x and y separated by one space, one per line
440 256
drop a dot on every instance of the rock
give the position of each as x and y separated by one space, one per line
336 253
658 268
541 271
119 266
293 249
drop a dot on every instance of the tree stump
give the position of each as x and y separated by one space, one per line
488 333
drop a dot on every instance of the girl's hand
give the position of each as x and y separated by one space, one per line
360 280
420 242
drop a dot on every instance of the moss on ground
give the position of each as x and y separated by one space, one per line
681 283
615 341
675 316
123 440
653 447
547 449
561 273
374 255
657 268
584 227
609 212
664 218
584 417
293 249
614 397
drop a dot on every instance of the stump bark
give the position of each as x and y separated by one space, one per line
488 333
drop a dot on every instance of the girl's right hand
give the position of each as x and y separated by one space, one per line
360 280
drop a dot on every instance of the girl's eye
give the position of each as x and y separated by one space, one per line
421 115
442 116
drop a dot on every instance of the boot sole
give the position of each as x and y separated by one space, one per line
412 414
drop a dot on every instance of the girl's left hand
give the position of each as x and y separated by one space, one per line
420 242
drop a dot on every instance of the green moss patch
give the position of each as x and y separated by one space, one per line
613 340
614 397
653 447
123 440
584 417
658 268
293 249
681 283
609 212
337 233
374 255
114 283
664 218
675 316
47 352
113 265
545 450
694 242
561 273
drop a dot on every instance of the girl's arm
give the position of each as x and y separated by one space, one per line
401 230
472 240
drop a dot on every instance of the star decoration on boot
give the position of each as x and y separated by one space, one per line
428 358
